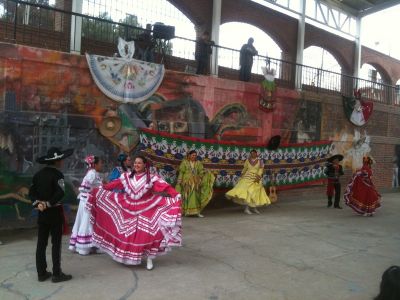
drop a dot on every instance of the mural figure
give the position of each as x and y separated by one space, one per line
359 148
307 123
181 116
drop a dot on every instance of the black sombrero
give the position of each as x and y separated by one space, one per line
54 154
274 142
336 156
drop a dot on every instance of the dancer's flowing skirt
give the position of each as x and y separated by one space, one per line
129 230
362 196
81 237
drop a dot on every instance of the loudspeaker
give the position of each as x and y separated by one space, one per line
165 32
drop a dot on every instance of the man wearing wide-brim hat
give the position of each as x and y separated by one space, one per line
333 171
46 192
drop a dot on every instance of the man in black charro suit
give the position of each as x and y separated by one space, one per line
333 171
46 192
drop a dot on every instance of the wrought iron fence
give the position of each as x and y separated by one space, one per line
48 27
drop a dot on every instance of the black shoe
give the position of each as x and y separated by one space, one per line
338 207
61 277
329 204
44 277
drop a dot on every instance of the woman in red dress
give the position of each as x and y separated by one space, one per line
143 222
361 194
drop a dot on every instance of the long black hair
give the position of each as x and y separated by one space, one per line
122 159
147 166
390 284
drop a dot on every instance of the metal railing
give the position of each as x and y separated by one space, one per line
43 26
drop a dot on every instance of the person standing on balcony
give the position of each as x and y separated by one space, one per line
203 52
246 60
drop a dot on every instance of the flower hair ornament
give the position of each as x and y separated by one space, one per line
89 160
368 160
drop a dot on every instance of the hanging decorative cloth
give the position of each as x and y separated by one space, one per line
123 79
357 110
267 98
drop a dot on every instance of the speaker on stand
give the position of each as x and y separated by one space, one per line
162 35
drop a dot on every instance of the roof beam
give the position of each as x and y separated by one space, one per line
378 7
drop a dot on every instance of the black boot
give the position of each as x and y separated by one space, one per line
329 201
61 277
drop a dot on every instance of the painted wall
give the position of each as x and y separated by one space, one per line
49 98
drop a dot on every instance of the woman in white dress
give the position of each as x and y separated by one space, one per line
81 237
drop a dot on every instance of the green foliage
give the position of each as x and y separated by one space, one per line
109 32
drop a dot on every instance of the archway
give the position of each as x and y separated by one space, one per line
264 44
321 69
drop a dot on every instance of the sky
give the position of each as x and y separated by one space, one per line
380 31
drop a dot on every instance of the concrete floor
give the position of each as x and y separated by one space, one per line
294 250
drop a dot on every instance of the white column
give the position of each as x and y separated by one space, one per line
27 11
76 27
300 44
216 23
357 52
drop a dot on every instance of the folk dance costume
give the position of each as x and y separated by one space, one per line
334 170
46 192
361 194
81 237
125 166
249 190
144 221
195 185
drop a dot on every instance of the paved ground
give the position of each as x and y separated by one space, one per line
293 250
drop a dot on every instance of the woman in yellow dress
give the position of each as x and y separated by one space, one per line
249 190
195 184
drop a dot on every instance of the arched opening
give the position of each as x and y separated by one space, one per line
141 12
370 73
321 69
264 44
371 83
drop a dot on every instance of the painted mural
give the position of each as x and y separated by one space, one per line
49 98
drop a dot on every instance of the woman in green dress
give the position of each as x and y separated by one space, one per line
195 184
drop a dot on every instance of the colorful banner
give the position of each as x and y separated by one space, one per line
291 165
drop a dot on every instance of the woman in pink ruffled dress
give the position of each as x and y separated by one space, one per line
143 222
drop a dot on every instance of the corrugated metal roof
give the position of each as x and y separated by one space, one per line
362 8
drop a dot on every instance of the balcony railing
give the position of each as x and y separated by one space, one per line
47 27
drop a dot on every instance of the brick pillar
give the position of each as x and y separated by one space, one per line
62 21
